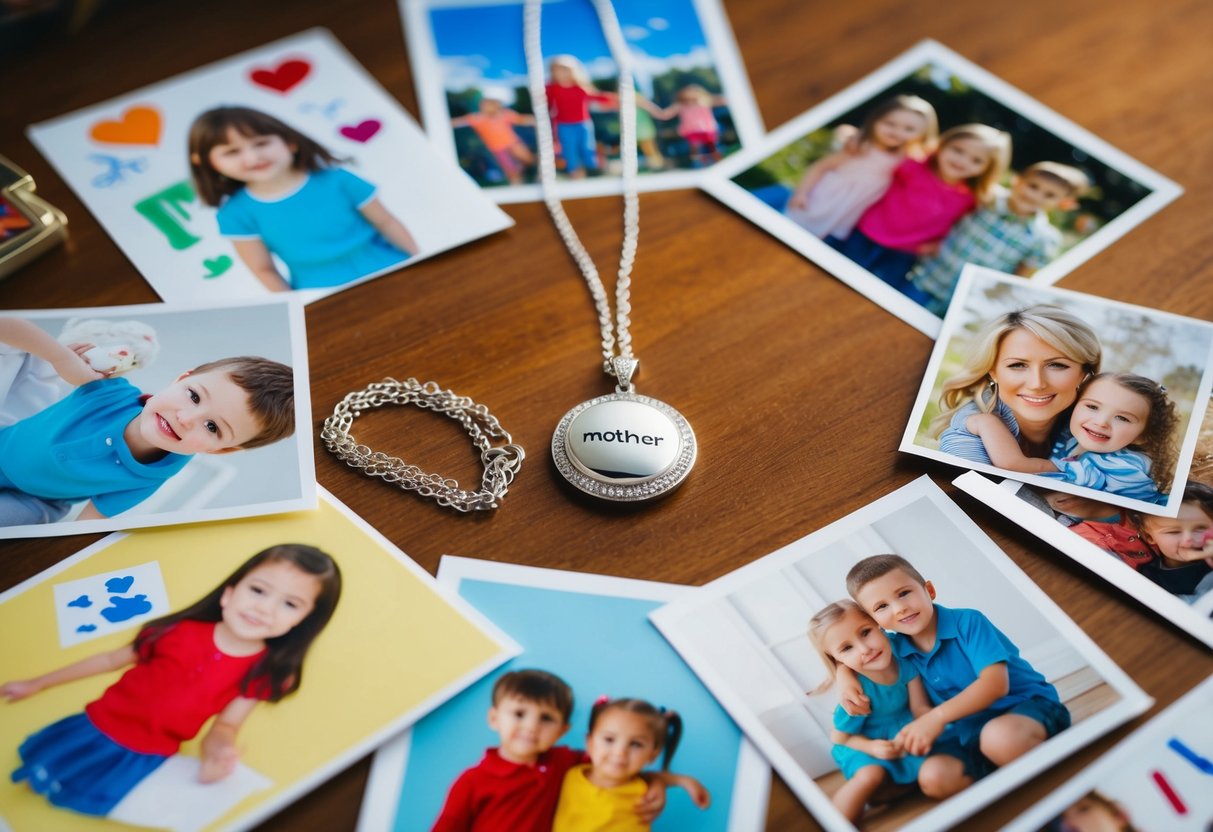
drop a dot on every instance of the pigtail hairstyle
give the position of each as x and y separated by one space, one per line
211 129
280 670
1157 440
666 725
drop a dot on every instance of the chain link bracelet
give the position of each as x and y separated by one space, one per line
501 463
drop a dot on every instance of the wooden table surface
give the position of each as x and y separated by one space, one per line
769 357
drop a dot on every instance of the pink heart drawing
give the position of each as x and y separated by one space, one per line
362 132
282 77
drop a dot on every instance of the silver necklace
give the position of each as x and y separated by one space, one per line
623 446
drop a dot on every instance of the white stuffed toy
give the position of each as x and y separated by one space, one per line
120 346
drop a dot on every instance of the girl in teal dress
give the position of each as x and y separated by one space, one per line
863 745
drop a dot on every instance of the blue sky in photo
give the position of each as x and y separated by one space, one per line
484 43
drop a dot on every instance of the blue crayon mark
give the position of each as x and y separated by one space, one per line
115 169
124 609
83 602
119 585
86 628
1203 764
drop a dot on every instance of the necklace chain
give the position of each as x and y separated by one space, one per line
617 335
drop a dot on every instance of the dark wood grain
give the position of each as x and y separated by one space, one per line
769 358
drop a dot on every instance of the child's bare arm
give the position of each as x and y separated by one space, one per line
920 703
880 749
850 693
991 684
698 792
257 257
392 229
219 751
812 175
27 336
91 666
652 803
1002 447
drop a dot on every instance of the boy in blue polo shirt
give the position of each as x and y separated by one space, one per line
108 443
995 704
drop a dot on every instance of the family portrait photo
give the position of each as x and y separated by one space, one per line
603 680
930 163
693 103
118 417
1065 391
284 169
894 663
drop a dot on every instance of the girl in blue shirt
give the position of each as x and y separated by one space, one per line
280 193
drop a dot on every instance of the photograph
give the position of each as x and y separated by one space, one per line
693 106
286 168
1164 563
1155 780
272 626
896 668
893 184
125 416
1065 391
573 694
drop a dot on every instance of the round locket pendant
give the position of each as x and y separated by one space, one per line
624 447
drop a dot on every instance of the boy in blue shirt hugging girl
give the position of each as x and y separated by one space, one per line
990 705
108 443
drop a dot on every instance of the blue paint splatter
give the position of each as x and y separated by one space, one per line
124 609
86 628
119 585
1203 764
83 602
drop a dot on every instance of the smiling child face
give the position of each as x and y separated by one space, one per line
269 601
963 158
1180 538
1108 417
620 746
895 129
254 160
1033 192
526 728
203 413
857 642
899 603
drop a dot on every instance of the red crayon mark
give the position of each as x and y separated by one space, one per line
1169 793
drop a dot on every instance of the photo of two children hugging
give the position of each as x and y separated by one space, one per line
528 783
932 174
80 441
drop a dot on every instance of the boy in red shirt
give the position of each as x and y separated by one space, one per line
516 786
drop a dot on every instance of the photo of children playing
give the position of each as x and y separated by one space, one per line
893 667
1030 380
683 119
931 173
145 413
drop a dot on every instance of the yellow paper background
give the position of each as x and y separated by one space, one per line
392 644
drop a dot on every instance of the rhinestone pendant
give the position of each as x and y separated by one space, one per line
624 447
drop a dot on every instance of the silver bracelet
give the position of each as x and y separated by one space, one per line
501 463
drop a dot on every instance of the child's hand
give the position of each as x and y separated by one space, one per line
884 750
852 697
652 803
219 757
19 689
918 736
699 794
74 368
798 201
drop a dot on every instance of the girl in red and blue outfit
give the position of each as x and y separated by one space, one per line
569 96
925 199
241 644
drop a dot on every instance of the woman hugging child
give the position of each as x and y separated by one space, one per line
925 199
1122 439
863 745
839 187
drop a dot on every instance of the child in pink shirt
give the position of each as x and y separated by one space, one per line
925 199
696 122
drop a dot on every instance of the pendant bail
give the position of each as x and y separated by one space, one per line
623 369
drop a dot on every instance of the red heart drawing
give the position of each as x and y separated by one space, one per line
138 125
283 77
362 132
